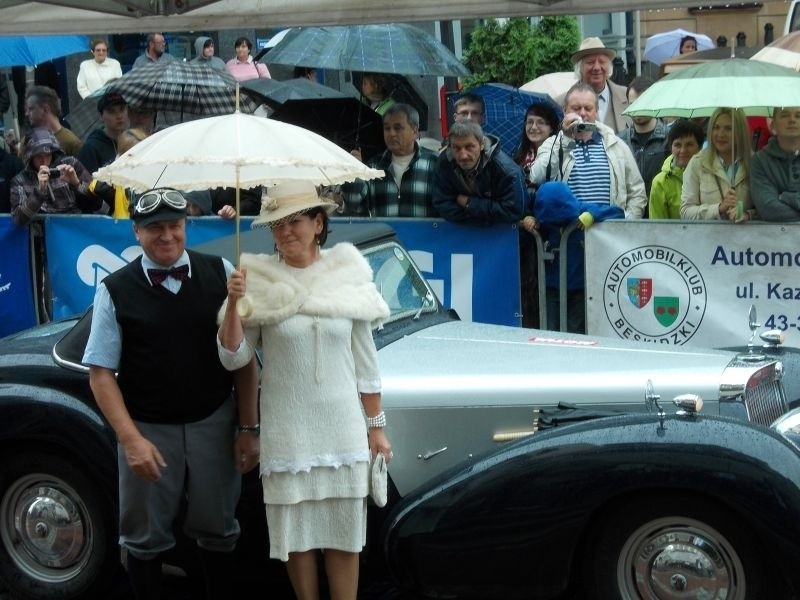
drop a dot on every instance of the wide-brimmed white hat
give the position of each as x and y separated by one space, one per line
286 199
592 45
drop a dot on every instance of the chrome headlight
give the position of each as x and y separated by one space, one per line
788 423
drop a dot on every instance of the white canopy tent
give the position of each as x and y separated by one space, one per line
18 17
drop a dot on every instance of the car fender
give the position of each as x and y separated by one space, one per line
511 524
46 417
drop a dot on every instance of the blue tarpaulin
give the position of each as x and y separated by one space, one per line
32 50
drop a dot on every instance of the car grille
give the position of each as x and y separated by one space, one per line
764 401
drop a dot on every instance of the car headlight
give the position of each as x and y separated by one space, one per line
788 424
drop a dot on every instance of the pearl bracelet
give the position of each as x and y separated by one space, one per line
254 429
377 421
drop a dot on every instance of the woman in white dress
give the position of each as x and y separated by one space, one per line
312 311
96 72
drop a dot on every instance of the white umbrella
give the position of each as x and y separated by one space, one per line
785 51
554 85
663 46
235 150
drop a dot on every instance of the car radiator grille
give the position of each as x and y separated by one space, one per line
764 402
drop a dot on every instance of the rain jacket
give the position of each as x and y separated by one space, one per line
497 193
58 196
776 196
705 184
215 62
650 155
665 195
555 208
627 185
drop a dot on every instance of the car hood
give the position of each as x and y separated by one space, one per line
472 364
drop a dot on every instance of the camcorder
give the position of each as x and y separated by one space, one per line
54 173
582 127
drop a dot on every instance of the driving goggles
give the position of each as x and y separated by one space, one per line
152 200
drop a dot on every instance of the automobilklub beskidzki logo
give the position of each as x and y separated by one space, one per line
654 294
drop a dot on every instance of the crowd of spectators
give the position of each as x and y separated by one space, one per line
613 166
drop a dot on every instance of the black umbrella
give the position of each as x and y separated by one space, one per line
388 48
344 121
274 93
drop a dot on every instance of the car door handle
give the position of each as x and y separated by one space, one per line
431 454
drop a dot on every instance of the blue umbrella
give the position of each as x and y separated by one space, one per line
32 50
505 111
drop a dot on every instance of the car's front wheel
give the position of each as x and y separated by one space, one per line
57 534
670 548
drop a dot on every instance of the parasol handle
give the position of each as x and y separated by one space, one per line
244 306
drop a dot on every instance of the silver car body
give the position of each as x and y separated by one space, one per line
455 390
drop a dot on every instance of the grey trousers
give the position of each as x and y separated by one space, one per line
200 467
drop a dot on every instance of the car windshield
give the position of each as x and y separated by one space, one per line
399 282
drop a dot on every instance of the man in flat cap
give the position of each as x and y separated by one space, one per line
157 378
593 64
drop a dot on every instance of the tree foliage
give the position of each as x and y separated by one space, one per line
515 52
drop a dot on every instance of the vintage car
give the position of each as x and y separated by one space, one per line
526 463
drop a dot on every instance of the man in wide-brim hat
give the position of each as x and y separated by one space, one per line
593 66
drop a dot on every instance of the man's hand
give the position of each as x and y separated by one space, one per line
69 175
357 153
462 200
44 177
246 450
144 459
529 224
227 212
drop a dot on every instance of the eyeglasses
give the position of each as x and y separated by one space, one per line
531 123
152 200
469 113
101 50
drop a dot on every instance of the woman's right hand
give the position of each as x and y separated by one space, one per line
237 285
728 203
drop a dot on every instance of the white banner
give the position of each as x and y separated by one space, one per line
690 282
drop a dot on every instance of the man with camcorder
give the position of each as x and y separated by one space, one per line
598 167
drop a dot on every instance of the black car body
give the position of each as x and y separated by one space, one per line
583 499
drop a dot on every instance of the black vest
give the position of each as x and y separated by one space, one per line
169 371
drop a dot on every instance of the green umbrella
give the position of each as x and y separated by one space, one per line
697 91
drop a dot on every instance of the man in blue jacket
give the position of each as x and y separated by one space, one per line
475 181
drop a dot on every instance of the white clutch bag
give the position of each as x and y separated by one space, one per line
378 480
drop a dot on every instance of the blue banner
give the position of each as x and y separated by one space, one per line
82 250
473 270
17 299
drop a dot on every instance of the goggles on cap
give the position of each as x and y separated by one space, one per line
151 201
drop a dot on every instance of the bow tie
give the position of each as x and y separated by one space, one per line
158 276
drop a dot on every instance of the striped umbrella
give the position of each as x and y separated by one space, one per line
176 88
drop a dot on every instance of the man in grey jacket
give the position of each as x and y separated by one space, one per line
775 170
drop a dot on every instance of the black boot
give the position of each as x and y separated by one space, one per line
145 577
219 570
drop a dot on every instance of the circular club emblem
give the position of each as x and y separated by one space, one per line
654 294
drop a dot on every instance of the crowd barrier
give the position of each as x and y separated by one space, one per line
665 282
692 282
472 270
